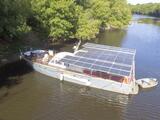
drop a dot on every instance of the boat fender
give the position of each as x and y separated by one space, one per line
61 77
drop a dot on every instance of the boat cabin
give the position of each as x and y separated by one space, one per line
102 61
40 56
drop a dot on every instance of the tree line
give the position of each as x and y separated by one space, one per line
152 9
62 19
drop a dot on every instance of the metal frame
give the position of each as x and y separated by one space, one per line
88 49
74 61
121 64
111 48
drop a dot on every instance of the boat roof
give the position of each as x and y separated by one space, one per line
108 59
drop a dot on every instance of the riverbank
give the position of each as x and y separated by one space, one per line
11 66
10 75
155 21
9 50
151 9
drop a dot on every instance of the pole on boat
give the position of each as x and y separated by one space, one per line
20 56
76 47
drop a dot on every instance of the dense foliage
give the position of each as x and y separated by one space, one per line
152 9
13 14
80 19
63 19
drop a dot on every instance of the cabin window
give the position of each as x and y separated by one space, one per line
86 71
105 75
96 73
117 78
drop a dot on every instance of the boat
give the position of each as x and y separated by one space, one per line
94 65
147 82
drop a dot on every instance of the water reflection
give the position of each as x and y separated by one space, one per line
137 17
10 75
99 95
112 37
40 97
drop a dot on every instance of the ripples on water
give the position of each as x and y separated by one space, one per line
40 97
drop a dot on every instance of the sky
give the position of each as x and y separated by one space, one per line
143 1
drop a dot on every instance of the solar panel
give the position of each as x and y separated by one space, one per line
124 58
97 65
98 46
107 59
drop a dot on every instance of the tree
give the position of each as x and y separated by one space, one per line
13 17
59 17
100 10
152 9
110 13
87 26
81 19
120 14
83 3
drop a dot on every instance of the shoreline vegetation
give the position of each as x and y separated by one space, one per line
41 23
57 21
151 9
61 20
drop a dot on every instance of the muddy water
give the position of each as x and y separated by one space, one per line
39 97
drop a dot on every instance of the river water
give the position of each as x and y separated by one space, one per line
39 97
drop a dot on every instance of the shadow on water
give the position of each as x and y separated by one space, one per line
10 74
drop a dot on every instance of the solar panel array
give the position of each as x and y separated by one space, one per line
111 48
103 58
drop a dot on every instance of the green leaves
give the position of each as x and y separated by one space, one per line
87 27
152 9
120 14
80 19
100 10
62 19
58 16
13 17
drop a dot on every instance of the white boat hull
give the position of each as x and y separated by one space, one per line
147 82
86 80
